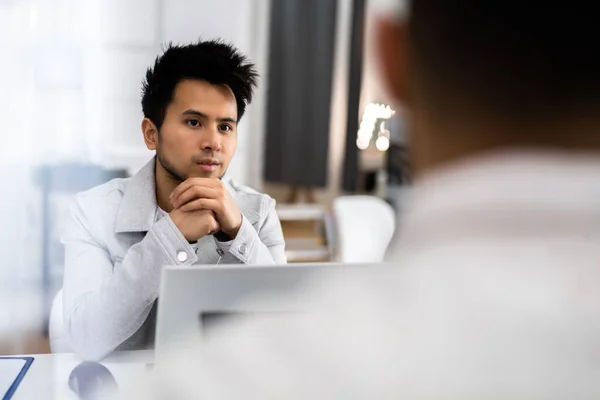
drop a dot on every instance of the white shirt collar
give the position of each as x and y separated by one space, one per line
533 193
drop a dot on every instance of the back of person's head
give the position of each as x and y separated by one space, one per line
213 61
514 57
482 74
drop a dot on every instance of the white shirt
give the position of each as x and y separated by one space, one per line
493 293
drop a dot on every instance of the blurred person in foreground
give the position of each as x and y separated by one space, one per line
493 290
177 210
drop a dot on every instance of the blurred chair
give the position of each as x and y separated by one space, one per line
364 228
56 328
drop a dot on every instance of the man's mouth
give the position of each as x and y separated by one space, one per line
208 165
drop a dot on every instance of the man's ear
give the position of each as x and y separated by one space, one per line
393 47
150 134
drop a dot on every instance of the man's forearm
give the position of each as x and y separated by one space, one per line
99 321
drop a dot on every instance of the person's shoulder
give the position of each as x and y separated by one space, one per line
96 209
243 189
100 204
250 198
105 194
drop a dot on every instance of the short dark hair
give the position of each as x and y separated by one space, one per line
213 61
510 55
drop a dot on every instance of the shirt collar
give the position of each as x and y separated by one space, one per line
505 193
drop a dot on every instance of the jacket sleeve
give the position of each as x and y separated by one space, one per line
106 302
263 245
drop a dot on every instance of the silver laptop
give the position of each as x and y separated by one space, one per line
193 298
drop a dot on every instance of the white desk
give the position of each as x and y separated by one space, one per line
48 377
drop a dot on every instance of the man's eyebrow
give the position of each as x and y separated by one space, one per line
195 113
200 114
228 119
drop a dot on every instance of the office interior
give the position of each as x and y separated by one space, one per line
71 114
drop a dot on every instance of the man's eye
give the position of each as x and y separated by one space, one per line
225 128
194 123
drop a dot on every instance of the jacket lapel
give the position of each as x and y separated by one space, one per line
137 210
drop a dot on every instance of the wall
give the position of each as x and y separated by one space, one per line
70 83
179 21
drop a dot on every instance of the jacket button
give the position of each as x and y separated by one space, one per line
242 249
182 256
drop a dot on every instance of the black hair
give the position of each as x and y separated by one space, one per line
531 57
213 61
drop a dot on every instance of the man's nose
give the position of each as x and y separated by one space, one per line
210 140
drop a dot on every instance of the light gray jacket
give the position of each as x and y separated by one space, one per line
116 243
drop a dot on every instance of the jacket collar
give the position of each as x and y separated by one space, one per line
137 211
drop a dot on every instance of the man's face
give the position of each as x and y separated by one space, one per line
198 137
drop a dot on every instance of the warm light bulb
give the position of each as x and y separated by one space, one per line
382 143
362 144
365 134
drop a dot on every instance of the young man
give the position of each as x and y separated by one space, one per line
493 290
177 210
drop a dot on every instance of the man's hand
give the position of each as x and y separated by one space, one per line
194 225
209 194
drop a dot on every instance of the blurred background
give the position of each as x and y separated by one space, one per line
321 127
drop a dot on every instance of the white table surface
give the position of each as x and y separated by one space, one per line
48 376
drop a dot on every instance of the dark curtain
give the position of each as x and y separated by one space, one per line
350 170
302 44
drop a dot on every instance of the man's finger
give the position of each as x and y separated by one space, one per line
202 204
185 185
192 193
215 228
